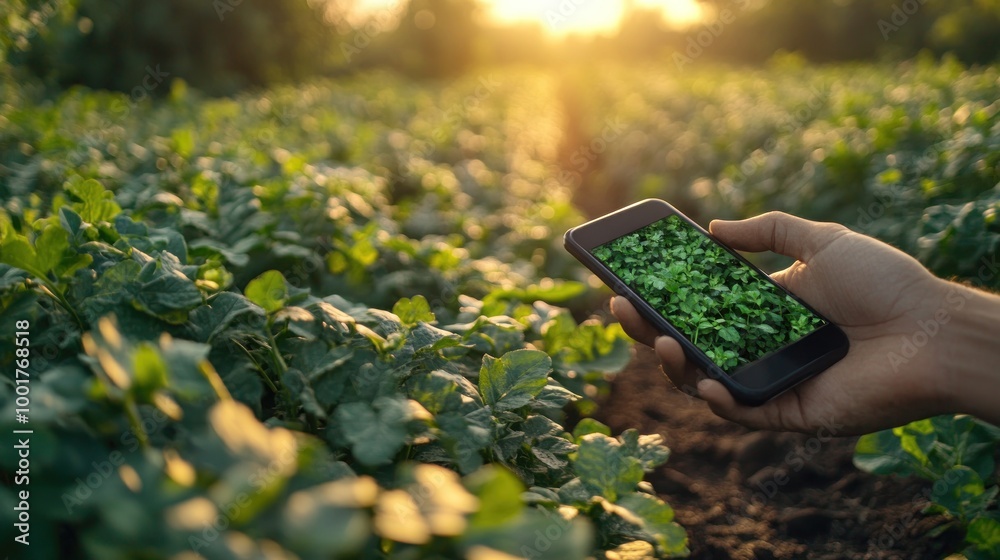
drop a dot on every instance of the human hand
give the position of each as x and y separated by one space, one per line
878 295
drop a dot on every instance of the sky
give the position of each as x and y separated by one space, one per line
560 17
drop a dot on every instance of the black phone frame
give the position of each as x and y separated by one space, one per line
752 384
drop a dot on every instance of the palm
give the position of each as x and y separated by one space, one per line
878 296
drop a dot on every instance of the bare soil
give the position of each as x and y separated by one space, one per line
744 494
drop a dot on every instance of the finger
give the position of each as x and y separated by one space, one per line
721 401
633 323
779 232
768 416
672 356
682 374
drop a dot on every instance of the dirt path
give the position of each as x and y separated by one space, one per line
582 156
748 495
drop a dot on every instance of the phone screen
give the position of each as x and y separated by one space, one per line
729 310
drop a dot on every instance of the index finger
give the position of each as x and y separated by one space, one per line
633 323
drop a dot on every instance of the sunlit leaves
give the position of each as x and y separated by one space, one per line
956 454
655 521
48 253
435 503
281 409
604 469
512 380
328 519
413 311
499 494
94 203
269 291
983 536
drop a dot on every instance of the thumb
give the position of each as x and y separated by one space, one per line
776 231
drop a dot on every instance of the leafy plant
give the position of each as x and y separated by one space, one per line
955 453
286 237
725 309
179 408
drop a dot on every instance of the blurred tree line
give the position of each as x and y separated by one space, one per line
218 45
221 46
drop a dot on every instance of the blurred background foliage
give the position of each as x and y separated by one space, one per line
289 136
222 46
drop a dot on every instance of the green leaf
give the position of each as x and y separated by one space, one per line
729 334
465 436
436 390
984 533
224 310
150 371
328 520
376 432
524 537
917 438
881 453
537 426
243 445
413 311
303 391
186 361
96 203
556 445
655 519
70 220
547 290
17 252
589 426
514 379
71 264
649 449
589 347
553 397
766 328
605 468
269 290
967 441
165 292
499 493
182 140
11 276
241 377
956 489
49 247
541 496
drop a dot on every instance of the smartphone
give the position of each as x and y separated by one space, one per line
734 322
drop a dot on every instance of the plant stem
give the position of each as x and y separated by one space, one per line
267 379
135 422
282 368
53 291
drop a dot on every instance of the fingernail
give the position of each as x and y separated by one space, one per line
703 385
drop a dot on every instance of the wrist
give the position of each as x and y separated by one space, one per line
970 352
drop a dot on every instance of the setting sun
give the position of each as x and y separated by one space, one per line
561 17
580 16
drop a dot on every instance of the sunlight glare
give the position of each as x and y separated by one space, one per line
588 16
561 17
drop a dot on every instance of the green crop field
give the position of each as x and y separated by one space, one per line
336 320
